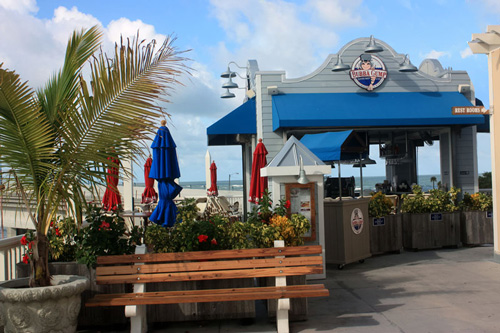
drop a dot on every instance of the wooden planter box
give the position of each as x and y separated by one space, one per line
103 316
386 234
431 230
476 227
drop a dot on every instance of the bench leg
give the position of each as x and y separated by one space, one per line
137 313
284 303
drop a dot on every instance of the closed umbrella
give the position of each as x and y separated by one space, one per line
165 169
213 191
111 198
149 195
258 184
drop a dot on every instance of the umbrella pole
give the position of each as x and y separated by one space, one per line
340 184
361 174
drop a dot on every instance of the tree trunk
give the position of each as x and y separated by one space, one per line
40 275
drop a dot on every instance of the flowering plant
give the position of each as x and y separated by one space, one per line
438 200
477 201
380 205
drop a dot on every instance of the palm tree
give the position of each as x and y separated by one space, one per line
56 141
433 180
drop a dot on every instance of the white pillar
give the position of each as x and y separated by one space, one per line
128 185
489 43
207 170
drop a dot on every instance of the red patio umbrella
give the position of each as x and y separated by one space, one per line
149 195
111 198
213 191
258 184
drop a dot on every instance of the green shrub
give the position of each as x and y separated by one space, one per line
380 205
478 201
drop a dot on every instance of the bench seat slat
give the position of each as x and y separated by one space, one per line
208 266
210 275
210 295
208 255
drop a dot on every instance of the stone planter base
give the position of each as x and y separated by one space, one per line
386 235
476 228
44 309
421 232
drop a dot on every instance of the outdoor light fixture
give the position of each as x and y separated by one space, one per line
227 94
302 174
340 66
406 66
228 74
373 47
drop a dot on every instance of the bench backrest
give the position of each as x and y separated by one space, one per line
209 265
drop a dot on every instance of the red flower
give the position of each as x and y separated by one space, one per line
26 258
58 233
202 238
214 241
24 241
104 225
287 204
30 244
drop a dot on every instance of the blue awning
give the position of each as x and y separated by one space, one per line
335 146
241 120
354 110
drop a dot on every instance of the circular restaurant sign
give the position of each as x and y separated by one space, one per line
368 71
357 221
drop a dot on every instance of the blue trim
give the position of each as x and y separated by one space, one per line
370 110
241 120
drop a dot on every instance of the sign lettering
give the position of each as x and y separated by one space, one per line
468 110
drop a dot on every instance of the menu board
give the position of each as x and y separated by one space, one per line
302 201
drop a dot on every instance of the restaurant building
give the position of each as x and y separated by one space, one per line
371 89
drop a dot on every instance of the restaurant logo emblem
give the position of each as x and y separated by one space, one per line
357 221
368 71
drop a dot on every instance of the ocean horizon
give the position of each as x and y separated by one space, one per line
368 183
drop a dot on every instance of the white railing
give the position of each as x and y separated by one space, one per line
11 252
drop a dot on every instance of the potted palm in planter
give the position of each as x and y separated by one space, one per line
385 227
476 220
56 142
431 221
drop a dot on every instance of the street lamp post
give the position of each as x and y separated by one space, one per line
229 186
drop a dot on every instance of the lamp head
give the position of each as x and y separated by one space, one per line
373 47
407 66
227 94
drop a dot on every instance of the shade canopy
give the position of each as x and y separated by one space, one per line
239 121
258 184
335 146
111 198
213 191
370 110
149 195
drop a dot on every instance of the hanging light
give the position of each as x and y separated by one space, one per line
230 84
373 47
228 74
340 66
406 66
227 94
302 174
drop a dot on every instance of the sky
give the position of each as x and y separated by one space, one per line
294 36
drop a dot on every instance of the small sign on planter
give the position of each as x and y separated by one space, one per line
436 217
378 221
489 215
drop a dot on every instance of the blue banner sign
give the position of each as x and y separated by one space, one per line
378 221
436 217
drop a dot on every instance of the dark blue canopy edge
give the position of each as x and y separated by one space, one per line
241 120
354 110
335 146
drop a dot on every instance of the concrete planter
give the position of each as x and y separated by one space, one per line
103 316
476 228
431 230
44 309
386 234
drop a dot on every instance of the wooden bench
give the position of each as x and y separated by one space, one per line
141 269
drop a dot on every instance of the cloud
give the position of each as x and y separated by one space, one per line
263 30
489 6
19 6
465 53
336 13
436 54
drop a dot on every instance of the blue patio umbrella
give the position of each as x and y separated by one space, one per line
165 169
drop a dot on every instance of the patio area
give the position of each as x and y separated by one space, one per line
446 290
